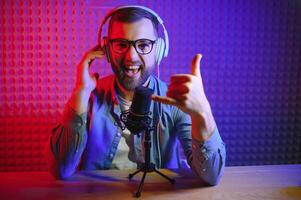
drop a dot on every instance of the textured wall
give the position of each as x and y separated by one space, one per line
251 70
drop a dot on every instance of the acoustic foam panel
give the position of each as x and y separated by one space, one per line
250 68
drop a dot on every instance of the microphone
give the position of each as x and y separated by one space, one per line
137 119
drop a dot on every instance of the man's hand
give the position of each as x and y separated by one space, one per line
84 79
186 91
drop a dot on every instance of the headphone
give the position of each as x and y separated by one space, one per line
162 44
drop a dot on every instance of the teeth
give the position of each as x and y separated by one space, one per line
133 67
132 70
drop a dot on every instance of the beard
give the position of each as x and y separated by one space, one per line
130 79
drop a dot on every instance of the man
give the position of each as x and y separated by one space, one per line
91 137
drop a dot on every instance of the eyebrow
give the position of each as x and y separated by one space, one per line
133 40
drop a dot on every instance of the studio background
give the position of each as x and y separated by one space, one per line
250 68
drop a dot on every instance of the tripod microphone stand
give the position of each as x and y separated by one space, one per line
147 166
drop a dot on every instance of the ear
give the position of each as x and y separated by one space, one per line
105 46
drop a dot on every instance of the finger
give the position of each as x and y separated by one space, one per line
178 98
96 48
98 53
91 56
83 67
178 95
165 100
180 78
95 54
195 65
178 89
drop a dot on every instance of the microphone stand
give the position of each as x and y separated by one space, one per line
147 166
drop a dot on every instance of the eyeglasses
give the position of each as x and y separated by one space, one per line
142 46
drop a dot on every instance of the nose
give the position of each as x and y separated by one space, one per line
131 54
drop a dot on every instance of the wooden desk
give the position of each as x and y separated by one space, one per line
278 182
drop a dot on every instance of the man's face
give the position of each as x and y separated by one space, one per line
131 68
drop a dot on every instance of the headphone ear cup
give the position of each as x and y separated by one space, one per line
160 50
105 46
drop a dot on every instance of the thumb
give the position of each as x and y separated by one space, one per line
195 65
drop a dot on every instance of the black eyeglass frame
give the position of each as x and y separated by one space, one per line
133 43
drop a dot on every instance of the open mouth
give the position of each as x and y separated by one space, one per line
132 71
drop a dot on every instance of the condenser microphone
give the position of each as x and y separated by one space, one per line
137 119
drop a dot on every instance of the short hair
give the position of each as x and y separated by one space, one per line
133 14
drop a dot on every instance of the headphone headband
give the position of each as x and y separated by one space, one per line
131 6
112 12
